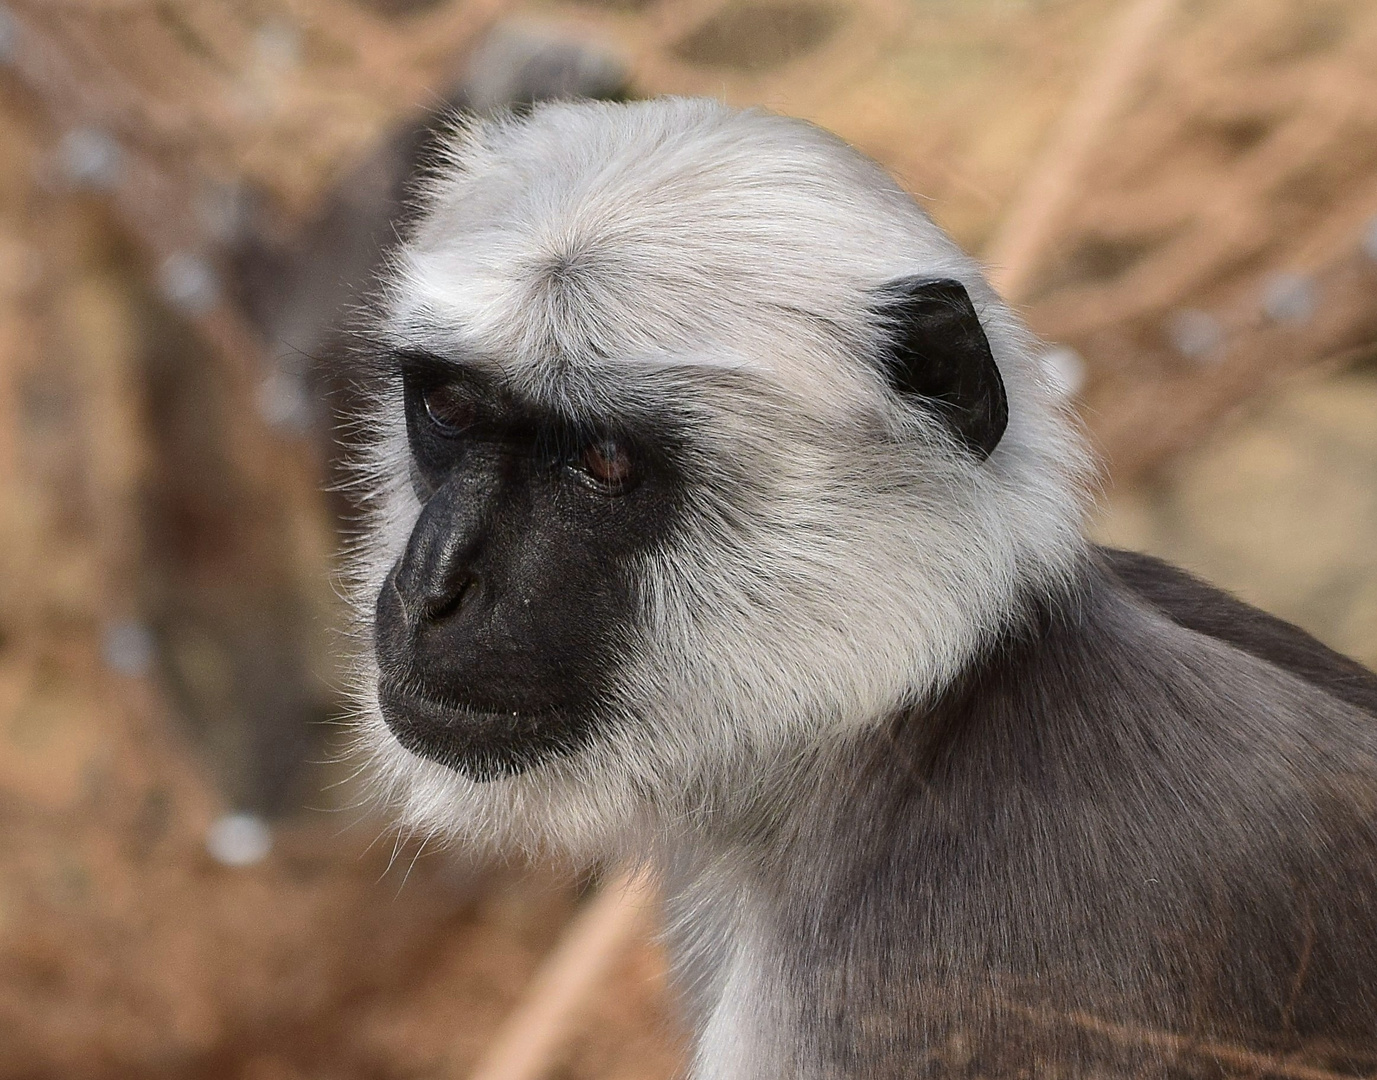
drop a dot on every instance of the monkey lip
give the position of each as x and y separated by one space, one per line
482 744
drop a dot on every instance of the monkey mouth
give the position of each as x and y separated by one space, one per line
480 743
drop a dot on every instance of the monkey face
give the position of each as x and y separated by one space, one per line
696 445
500 630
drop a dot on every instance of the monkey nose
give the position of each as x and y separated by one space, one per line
443 605
433 598
437 575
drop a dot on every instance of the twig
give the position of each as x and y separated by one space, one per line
1224 1053
527 1045
1038 210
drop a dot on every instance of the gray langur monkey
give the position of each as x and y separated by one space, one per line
723 519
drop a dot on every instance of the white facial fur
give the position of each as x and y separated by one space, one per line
842 557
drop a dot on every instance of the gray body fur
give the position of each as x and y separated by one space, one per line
935 785
1113 825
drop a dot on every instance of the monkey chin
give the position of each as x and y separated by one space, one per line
481 744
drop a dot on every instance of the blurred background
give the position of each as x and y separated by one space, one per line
1180 194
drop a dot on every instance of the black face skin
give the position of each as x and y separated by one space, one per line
500 631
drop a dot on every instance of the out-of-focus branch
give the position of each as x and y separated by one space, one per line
528 1045
1055 179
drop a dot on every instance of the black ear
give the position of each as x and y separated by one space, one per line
937 350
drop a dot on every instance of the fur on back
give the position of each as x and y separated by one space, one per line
840 557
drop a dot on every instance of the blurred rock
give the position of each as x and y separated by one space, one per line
1194 333
189 283
91 158
277 45
1065 369
1289 298
128 648
223 210
285 401
239 840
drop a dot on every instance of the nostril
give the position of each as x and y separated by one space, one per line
452 601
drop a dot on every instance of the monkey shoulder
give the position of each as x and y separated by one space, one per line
1195 605
1137 695
1142 773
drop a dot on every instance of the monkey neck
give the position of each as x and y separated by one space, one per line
1033 716
789 872
1072 700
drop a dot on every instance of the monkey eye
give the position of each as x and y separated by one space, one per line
607 463
449 407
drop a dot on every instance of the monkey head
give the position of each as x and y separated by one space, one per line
695 445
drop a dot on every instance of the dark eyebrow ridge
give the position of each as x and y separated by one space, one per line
652 424
548 423
407 360
379 363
